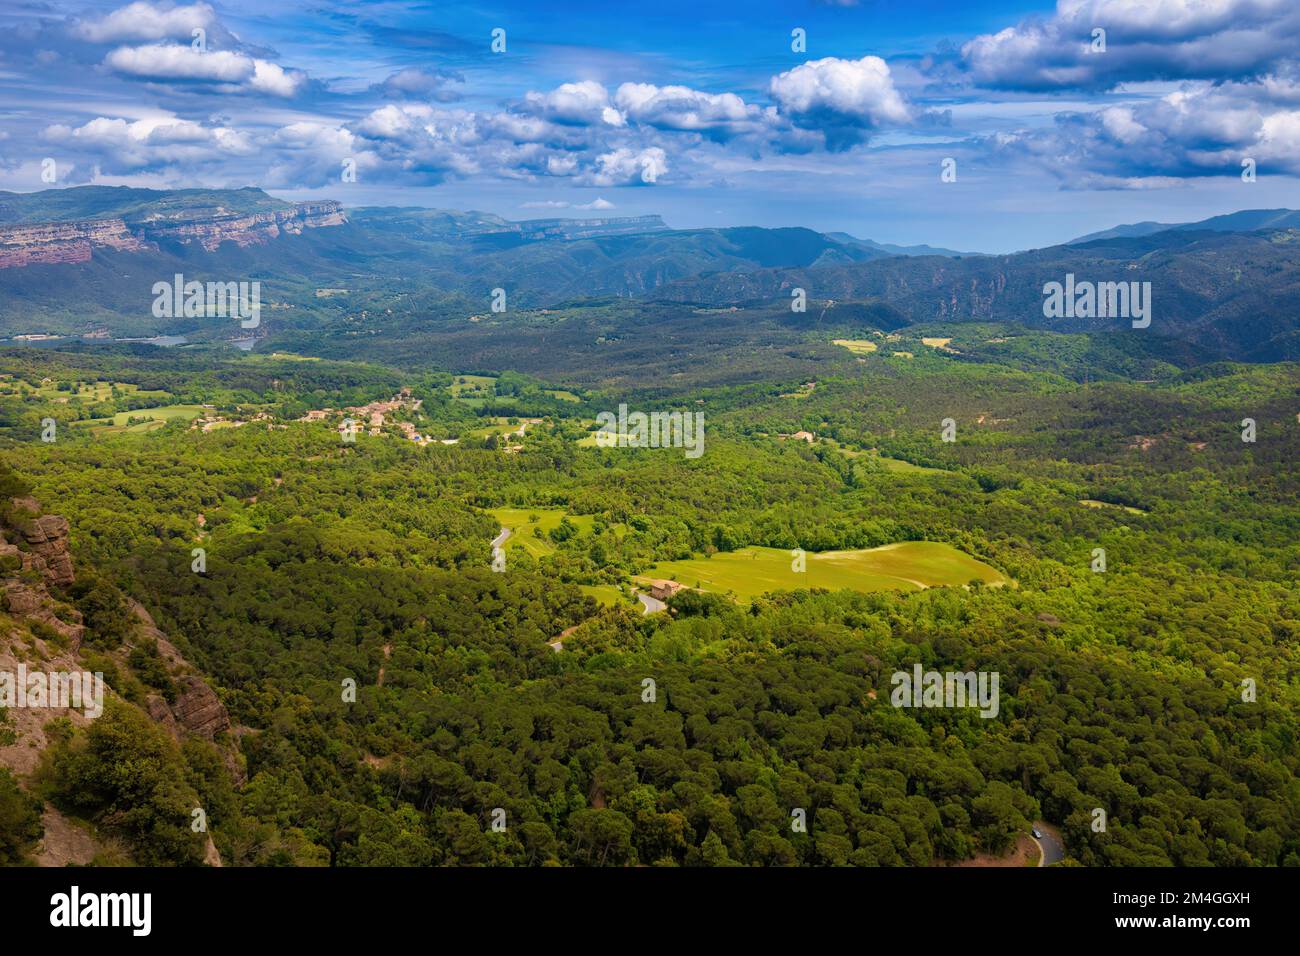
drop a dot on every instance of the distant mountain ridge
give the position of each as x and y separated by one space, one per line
64 226
890 249
84 259
1227 293
1246 220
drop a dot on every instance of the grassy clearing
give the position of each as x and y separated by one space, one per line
856 346
85 392
1093 503
122 424
899 467
473 387
499 426
562 395
940 344
894 466
606 594
907 566
529 526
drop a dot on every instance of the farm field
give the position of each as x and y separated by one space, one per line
155 418
907 566
85 391
856 346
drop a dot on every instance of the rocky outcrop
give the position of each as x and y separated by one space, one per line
198 710
46 540
53 242
210 226
33 558
33 603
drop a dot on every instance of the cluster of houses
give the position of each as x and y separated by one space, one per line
374 416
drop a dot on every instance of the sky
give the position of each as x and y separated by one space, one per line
979 125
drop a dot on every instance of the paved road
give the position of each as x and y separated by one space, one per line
501 538
651 604
1051 847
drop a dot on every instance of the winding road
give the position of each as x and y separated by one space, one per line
1051 849
651 604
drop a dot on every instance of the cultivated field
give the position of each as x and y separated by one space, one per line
907 566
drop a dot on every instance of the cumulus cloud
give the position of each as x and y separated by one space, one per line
150 144
1144 40
1201 131
719 116
578 104
629 167
420 83
145 21
845 100
227 70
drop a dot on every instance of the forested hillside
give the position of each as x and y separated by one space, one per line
371 561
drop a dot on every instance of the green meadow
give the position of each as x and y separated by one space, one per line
606 594
529 525
154 418
907 566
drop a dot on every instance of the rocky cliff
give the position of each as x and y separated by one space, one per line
42 631
208 226
53 242
33 558
211 227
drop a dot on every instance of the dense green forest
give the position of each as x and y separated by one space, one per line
330 561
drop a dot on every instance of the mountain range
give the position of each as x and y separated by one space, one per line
84 259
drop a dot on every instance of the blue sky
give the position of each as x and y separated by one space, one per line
704 113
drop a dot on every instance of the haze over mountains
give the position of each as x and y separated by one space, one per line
81 260
1247 220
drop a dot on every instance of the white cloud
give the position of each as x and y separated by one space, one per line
153 143
145 21
229 70
683 109
415 82
582 104
844 99
595 204
630 167
1145 40
1202 131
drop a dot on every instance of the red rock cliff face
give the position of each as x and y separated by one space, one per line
51 242
55 242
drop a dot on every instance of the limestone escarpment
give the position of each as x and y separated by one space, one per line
53 242
208 226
